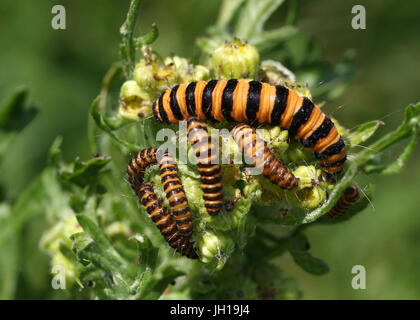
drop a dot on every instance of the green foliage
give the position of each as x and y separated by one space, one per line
102 237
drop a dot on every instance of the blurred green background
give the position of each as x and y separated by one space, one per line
64 68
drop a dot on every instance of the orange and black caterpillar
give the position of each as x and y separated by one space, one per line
239 100
171 182
164 221
256 149
208 165
350 196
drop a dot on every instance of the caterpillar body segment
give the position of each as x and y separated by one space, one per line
239 101
164 221
256 149
171 182
208 165
138 165
175 194
350 196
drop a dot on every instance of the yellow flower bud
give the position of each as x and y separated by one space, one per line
134 102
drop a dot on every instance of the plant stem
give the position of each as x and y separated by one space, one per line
128 48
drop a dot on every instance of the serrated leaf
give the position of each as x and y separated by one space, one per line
83 172
364 132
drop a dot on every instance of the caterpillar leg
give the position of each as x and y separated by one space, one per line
256 149
171 182
164 221
350 196
208 165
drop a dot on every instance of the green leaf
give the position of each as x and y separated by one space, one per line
309 263
127 46
99 120
84 172
227 11
9 259
16 113
253 17
398 164
169 274
364 132
93 246
55 157
148 38
408 128
298 247
148 253
269 40
29 204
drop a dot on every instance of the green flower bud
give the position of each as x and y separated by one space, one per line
309 194
186 72
214 248
277 139
308 198
237 59
134 103
145 74
308 176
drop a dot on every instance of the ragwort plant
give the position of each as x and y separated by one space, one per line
106 242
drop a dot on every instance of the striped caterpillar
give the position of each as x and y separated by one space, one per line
350 196
252 146
208 167
178 202
164 221
239 100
